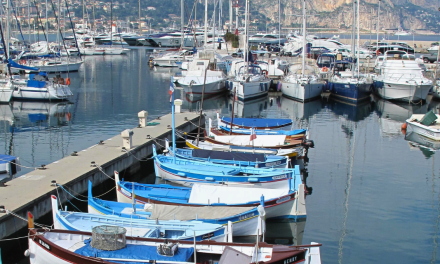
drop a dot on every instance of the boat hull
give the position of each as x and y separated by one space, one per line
71 67
350 92
59 92
402 91
249 90
210 88
420 129
302 92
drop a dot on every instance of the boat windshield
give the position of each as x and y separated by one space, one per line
251 70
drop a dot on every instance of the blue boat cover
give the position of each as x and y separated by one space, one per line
13 64
258 122
6 158
37 117
37 84
134 252
266 132
201 153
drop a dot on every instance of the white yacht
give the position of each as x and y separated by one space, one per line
266 39
302 84
402 78
249 83
173 59
194 80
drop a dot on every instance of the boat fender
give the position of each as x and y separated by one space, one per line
209 178
265 72
67 81
253 180
309 143
325 69
182 174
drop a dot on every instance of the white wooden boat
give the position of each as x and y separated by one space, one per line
432 131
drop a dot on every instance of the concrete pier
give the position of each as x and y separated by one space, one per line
31 192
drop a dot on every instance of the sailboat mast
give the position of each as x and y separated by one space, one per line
279 24
377 27
353 44
358 37
304 39
7 28
206 22
140 28
47 25
29 20
246 36
111 24
182 21
213 29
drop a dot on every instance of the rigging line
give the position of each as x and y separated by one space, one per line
39 19
59 29
78 194
347 194
73 29
70 193
26 220
19 164
16 19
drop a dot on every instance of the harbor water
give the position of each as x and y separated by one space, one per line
373 192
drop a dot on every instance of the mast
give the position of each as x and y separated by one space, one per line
182 20
7 28
111 24
377 27
279 24
246 16
29 20
231 19
47 25
206 21
358 36
213 28
140 28
353 54
304 39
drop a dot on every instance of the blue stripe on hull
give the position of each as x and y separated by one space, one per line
350 92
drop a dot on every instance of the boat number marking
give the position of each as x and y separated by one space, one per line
206 236
125 192
283 199
44 244
242 217
290 260
270 164
279 177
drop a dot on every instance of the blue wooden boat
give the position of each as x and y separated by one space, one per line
230 158
257 123
186 172
246 220
288 202
9 166
170 229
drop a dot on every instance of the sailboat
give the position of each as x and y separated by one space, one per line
251 81
306 86
346 82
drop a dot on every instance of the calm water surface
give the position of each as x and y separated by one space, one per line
374 191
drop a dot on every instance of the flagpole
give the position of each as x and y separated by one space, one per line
174 133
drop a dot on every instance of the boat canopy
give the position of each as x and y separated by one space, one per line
202 153
13 64
258 122
208 193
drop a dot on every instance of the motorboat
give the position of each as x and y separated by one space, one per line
173 59
250 82
195 81
427 125
402 78
266 39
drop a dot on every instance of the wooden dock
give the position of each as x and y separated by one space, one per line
31 192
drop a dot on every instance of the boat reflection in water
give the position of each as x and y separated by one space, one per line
251 108
282 231
297 110
211 103
41 115
427 146
351 112
393 115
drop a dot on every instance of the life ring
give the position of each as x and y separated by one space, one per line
324 69
67 81
265 72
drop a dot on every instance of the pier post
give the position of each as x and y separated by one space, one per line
143 118
127 136
177 104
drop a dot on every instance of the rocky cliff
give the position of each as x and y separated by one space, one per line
338 14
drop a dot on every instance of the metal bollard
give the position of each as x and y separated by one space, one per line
127 138
177 104
142 118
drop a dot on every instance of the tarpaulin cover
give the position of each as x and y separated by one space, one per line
266 132
258 122
201 193
134 252
37 117
201 153
37 84
185 213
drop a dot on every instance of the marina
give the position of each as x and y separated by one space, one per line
218 143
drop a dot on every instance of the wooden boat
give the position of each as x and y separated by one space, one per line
426 125
186 172
230 158
65 246
287 202
138 226
257 123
